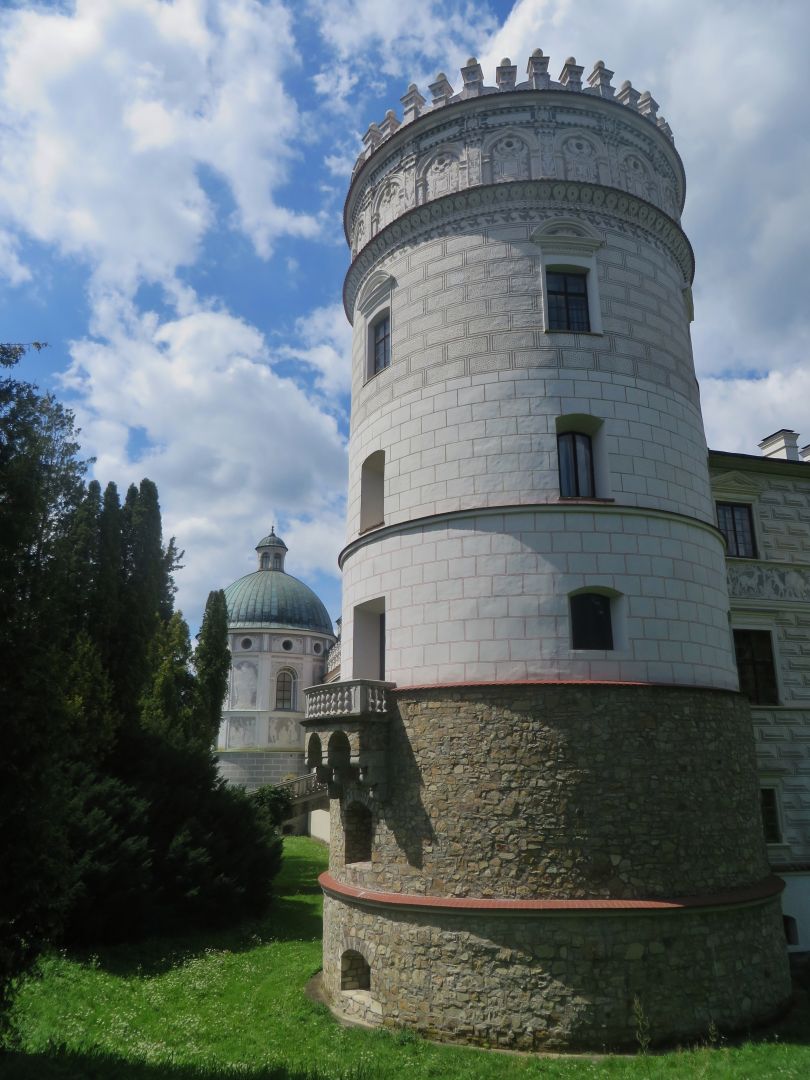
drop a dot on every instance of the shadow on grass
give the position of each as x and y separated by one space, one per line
294 916
68 1065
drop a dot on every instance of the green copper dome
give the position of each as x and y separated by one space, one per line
273 598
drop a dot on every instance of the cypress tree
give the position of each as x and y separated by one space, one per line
212 662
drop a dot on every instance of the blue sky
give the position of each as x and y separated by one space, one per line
171 183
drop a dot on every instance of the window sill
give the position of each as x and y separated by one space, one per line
582 333
375 374
583 499
371 528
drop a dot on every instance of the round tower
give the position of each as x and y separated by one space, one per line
545 802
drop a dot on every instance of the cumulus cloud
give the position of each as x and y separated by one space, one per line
324 339
111 110
194 402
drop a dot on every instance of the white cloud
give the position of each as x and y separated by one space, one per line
325 344
111 110
739 413
231 445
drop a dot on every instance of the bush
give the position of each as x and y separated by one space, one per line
277 802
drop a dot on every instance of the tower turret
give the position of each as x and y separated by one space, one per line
544 793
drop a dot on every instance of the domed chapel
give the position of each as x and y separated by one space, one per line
279 634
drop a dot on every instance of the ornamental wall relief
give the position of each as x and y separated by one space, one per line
580 156
636 178
441 177
768 582
244 683
509 158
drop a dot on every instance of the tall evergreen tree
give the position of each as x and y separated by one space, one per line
212 663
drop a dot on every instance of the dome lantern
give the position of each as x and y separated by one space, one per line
272 551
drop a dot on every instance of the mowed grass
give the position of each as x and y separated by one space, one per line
232 1004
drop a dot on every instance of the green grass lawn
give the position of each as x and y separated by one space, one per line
232 1004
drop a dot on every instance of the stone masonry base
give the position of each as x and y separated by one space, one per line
557 981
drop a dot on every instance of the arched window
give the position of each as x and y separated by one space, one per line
358 831
591 622
276 562
265 561
285 690
575 462
372 491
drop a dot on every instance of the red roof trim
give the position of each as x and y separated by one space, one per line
762 890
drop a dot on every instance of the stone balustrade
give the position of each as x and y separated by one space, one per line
354 697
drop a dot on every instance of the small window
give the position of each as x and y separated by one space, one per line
285 690
770 815
359 832
372 491
247 643
567 297
575 462
591 626
380 343
265 561
276 562
791 928
756 667
286 645
316 648
736 523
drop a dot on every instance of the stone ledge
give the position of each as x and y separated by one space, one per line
748 894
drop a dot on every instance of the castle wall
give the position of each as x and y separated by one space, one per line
555 981
582 791
525 835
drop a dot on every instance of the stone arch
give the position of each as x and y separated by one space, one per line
314 752
338 751
355 971
438 174
507 156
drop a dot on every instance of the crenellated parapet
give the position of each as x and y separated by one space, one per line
537 129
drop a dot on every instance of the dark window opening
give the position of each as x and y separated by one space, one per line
756 667
591 626
276 562
285 685
358 833
791 928
355 973
567 296
575 461
314 752
770 815
737 525
265 561
381 344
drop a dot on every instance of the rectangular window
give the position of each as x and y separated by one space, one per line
770 815
591 627
575 460
381 343
567 296
756 667
736 523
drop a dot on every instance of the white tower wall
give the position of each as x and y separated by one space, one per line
477 553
